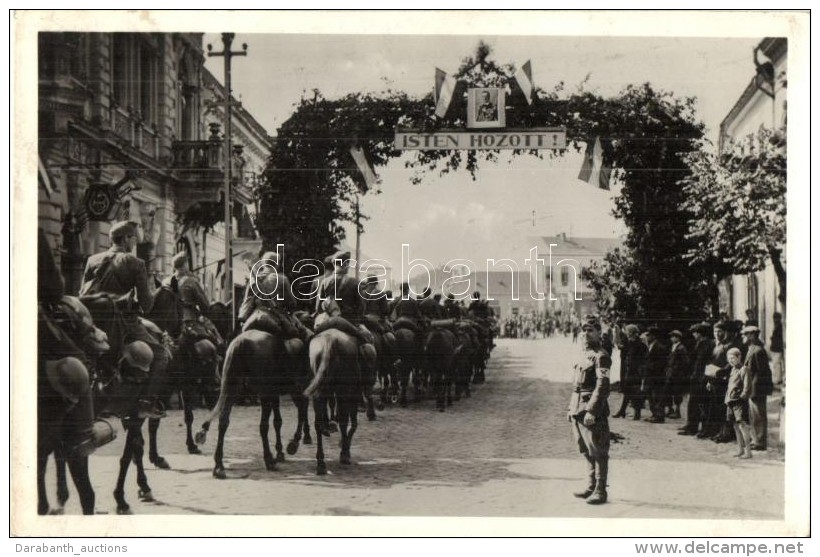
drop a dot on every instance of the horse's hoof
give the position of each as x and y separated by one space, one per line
146 496
321 469
200 437
219 473
56 511
380 406
344 459
308 440
325 431
280 457
270 465
332 427
293 446
193 449
371 415
124 510
160 463
467 394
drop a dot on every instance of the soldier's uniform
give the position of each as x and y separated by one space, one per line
118 273
268 304
590 396
194 305
406 313
109 281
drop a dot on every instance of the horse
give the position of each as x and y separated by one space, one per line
66 422
463 360
190 375
334 362
409 362
439 352
262 360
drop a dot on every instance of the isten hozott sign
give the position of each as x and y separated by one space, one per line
531 138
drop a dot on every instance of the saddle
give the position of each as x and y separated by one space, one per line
405 323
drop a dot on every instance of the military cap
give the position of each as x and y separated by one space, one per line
180 260
122 229
654 331
270 257
371 279
701 328
722 325
676 333
591 322
750 329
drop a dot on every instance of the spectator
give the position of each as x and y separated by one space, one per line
697 402
719 377
737 402
760 379
633 363
655 378
677 371
776 348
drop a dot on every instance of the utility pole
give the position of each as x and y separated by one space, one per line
228 54
358 263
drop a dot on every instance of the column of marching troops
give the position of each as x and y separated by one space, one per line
104 328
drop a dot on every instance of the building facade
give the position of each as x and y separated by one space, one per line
762 104
128 130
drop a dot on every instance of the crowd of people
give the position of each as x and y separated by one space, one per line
539 325
722 372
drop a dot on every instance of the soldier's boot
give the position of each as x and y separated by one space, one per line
598 496
591 483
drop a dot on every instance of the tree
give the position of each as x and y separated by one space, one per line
738 205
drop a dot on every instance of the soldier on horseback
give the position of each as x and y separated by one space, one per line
109 282
269 302
405 311
344 305
194 305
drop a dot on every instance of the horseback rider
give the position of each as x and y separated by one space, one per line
405 311
194 303
429 307
116 274
451 308
342 301
269 303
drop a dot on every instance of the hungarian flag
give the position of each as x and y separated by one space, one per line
596 169
444 92
523 76
369 178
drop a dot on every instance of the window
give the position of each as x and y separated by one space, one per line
135 74
564 276
751 294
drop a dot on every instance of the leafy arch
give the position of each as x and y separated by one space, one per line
309 184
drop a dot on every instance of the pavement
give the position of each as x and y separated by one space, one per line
505 452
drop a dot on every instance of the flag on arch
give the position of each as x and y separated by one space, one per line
523 76
368 175
596 169
444 92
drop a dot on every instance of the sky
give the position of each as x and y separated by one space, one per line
491 217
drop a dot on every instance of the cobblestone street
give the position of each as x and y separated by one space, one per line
506 452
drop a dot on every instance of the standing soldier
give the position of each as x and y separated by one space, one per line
119 274
588 411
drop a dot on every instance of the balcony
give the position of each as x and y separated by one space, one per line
135 132
197 167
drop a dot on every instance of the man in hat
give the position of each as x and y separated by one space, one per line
195 304
343 303
429 307
657 357
269 302
760 377
589 409
120 274
405 311
677 370
696 403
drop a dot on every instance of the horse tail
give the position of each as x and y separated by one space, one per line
319 353
234 350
